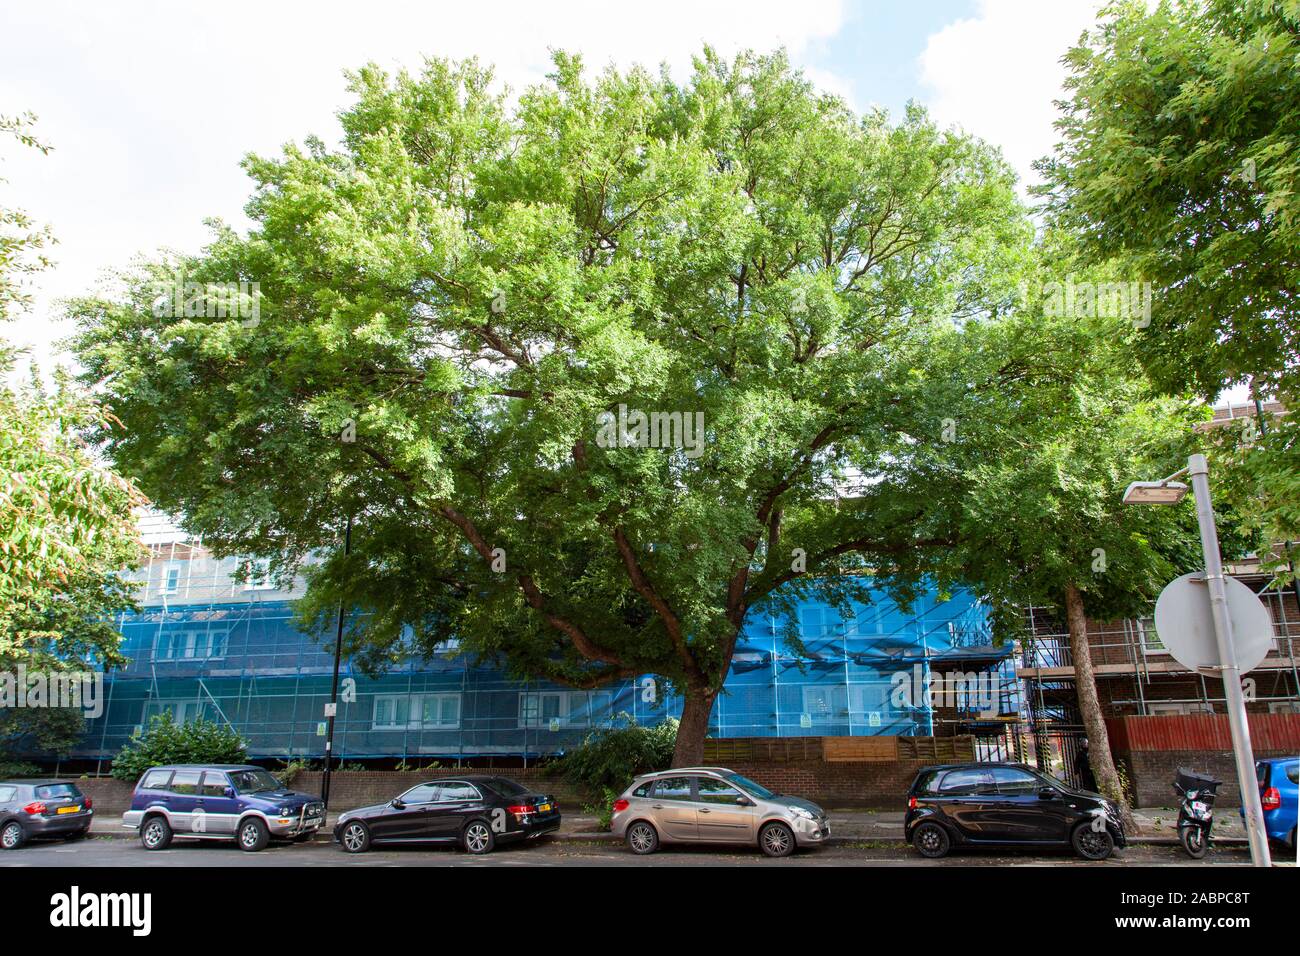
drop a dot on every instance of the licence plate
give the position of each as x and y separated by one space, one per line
76 809
543 808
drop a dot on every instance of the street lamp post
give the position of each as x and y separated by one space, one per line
1170 492
332 709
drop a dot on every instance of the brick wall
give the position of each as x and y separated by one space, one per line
877 784
1152 773
112 797
359 788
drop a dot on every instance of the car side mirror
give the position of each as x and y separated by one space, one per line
396 803
229 791
744 802
1048 793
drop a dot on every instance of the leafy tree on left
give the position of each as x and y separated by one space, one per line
66 527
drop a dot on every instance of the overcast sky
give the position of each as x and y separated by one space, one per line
150 106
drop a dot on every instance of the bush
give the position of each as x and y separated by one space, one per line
164 742
611 758
603 809
13 769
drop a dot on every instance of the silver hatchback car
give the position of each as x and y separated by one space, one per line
714 805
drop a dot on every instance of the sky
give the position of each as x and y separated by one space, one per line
150 106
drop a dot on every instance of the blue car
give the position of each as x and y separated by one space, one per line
1278 794
220 802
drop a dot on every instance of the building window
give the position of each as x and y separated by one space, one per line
556 709
1165 708
259 576
181 711
190 645
171 580
1148 638
416 712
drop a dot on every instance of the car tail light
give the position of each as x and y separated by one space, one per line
621 805
911 803
89 803
521 810
35 809
1270 799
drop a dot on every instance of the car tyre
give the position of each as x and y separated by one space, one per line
931 841
355 837
253 835
156 833
776 839
1092 844
477 838
12 835
642 838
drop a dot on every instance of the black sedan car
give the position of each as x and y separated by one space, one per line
475 812
1006 804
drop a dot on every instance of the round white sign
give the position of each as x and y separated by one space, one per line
1185 623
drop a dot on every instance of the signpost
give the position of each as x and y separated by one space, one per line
1195 606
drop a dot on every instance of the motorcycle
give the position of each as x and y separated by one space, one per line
1197 792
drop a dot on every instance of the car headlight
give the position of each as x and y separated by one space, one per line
286 811
801 812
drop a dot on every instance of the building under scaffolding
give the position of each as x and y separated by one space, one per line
1136 676
216 642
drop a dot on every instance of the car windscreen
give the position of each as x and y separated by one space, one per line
58 791
253 781
754 789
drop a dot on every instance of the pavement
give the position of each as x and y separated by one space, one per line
1157 827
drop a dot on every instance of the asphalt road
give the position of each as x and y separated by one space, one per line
105 851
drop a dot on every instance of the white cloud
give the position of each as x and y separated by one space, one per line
150 106
996 75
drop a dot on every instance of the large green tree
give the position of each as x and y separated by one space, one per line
453 304
1180 159
66 527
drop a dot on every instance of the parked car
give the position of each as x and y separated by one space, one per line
714 805
1004 804
220 802
476 812
1279 795
42 808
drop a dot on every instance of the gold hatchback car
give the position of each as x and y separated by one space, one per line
714 805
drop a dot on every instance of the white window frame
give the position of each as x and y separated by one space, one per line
179 709
415 711
1146 629
259 576
576 708
169 586
190 641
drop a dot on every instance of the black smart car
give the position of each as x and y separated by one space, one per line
475 812
1007 805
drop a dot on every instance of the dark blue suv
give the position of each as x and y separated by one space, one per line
220 802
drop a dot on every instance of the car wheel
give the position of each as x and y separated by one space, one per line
355 837
776 839
642 838
477 838
931 841
253 835
1092 844
11 836
156 834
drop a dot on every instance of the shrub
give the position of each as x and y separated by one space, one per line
13 769
164 742
611 758
603 809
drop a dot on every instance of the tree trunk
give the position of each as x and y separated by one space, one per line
1085 684
689 749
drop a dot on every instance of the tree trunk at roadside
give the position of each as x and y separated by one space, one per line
1099 755
694 727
